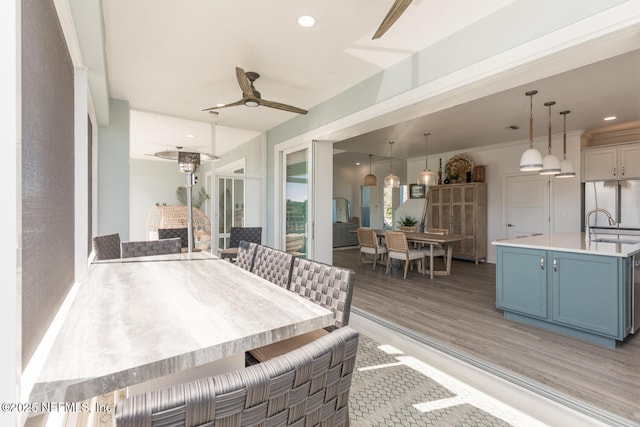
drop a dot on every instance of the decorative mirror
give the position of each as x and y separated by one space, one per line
341 210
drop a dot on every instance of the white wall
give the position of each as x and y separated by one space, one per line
503 160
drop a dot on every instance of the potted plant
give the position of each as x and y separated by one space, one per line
407 223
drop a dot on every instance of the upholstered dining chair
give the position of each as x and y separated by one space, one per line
236 234
273 265
326 285
304 387
106 246
150 247
370 245
398 248
170 233
246 255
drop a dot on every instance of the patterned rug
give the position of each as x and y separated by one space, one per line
391 389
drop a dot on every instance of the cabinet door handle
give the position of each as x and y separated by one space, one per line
555 264
614 171
542 262
623 171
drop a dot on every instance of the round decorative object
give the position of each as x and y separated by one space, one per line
457 167
446 181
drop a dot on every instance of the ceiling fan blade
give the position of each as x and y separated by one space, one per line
284 107
394 13
241 102
244 82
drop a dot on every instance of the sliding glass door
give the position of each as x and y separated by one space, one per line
297 206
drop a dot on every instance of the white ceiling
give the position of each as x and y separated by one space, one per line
176 61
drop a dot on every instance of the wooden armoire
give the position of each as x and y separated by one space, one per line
461 209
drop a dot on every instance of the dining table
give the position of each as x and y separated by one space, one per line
433 239
148 322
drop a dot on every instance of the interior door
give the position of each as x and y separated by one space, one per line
526 202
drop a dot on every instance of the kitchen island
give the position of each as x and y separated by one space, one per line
568 284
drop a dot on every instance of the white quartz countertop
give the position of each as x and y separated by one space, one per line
135 321
576 242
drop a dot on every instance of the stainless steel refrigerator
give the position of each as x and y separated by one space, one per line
620 198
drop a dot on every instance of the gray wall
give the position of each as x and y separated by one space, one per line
47 171
113 172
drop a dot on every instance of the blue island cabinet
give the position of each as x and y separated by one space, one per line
581 295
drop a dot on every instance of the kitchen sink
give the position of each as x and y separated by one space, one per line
612 240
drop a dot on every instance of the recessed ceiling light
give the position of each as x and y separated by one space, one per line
610 118
190 136
306 21
357 163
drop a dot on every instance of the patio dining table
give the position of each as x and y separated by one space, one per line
135 323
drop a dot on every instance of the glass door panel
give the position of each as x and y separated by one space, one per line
297 202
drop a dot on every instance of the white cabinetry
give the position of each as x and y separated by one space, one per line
615 162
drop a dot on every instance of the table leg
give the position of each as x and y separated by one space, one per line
431 260
449 256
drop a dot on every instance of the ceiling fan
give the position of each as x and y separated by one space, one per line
394 13
252 98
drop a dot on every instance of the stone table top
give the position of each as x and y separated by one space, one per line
135 321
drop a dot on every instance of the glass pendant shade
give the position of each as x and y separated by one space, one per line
550 163
391 180
426 177
531 159
566 167
370 180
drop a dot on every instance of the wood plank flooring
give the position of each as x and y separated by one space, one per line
459 311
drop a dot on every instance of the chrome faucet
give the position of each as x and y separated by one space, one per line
586 221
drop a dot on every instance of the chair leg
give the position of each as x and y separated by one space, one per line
406 268
375 259
388 265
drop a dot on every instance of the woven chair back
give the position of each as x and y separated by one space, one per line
396 241
367 237
248 234
107 246
246 255
326 285
307 386
150 247
273 265
170 233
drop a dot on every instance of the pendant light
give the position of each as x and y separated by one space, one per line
391 180
531 159
370 180
566 167
426 177
550 163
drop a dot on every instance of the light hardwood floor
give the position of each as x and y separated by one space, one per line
459 312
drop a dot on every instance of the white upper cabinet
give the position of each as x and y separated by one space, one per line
619 162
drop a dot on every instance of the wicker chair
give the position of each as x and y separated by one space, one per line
308 386
150 247
398 248
369 244
106 247
326 285
236 234
246 255
170 233
273 265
